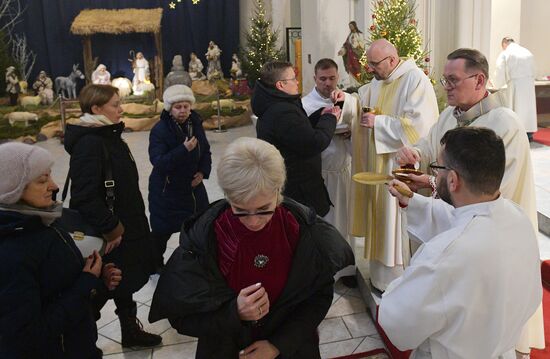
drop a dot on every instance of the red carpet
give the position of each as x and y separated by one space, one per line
545 271
364 355
542 136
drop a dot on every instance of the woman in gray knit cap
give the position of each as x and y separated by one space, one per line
45 284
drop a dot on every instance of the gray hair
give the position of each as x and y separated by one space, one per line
250 167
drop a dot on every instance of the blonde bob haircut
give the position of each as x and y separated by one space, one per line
251 167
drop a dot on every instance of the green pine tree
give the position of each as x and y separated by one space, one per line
261 45
394 20
5 61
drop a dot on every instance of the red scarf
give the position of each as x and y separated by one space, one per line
238 247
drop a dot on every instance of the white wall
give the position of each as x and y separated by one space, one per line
534 32
324 30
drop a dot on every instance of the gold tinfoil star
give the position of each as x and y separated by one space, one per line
195 2
172 5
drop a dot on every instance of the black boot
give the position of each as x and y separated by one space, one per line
132 331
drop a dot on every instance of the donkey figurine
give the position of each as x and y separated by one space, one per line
66 86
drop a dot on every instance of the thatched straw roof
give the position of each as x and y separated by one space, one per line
123 21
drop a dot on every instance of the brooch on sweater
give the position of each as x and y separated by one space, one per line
260 261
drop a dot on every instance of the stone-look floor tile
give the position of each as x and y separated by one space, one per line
173 242
346 305
141 354
369 343
109 346
341 348
340 288
179 351
108 314
112 331
171 336
335 297
333 329
146 292
360 324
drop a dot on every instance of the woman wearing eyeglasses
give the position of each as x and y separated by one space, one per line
253 275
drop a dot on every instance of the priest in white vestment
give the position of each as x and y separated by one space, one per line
515 70
475 281
405 108
464 79
336 158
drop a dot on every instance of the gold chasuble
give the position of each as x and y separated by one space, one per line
405 107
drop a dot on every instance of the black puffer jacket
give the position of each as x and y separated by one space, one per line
85 145
283 122
44 295
195 297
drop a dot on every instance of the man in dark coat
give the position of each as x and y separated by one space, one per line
196 299
283 122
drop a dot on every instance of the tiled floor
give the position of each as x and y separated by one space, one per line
347 328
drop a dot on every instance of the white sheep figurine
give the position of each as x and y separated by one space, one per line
124 86
30 101
224 103
21 118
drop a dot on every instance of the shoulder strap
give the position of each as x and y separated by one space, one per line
109 182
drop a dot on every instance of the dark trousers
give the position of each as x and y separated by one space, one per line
160 241
123 301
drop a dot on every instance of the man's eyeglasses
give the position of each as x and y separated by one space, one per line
292 79
436 168
452 83
247 214
374 64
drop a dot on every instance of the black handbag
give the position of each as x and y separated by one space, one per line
87 237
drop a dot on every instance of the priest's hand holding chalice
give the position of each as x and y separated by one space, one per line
409 157
368 116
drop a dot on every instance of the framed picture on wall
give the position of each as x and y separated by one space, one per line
292 33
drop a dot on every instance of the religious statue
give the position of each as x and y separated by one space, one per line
213 54
101 76
43 87
141 74
177 75
236 71
12 85
195 68
352 51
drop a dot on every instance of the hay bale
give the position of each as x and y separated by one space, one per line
140 124
51 129
228 121
203 87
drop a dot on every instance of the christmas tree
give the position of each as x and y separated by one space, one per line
261 45
394 21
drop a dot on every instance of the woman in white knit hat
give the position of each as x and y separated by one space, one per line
45 285
181 158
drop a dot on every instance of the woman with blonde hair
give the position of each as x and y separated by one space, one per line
253 275
105 190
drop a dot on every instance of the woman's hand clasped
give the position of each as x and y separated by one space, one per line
190 143
197 179
262 349
93 264
111 276
253 303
